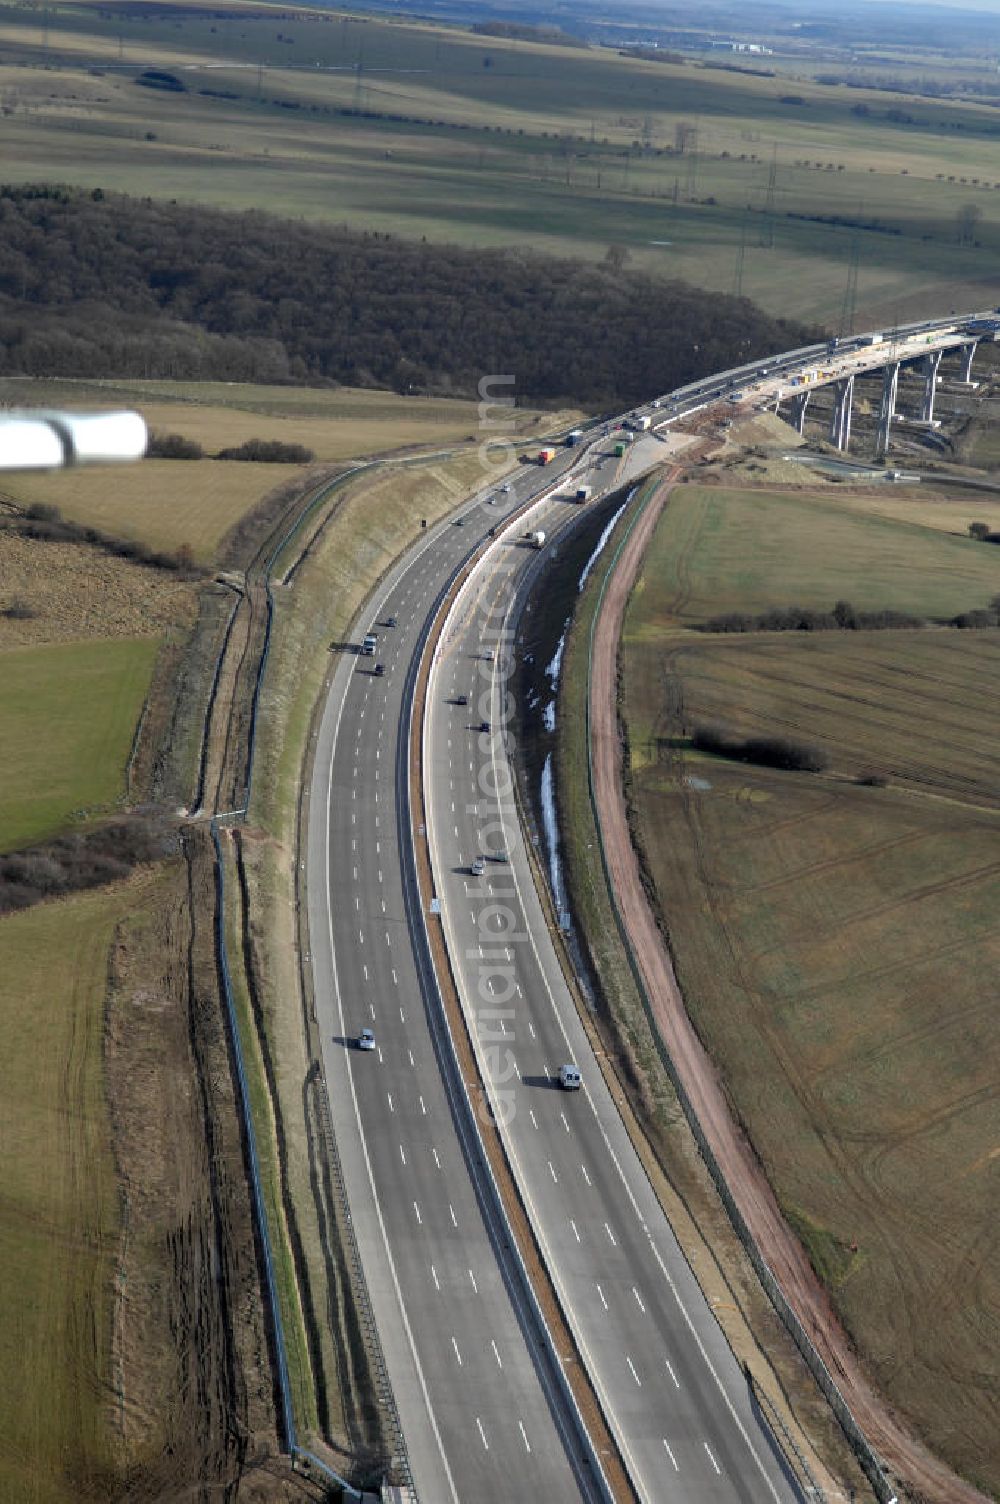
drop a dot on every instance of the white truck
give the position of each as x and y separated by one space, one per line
536 539
573 437
369 645
641 423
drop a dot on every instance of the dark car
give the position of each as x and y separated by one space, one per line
379 670
392 621
484 725
461 699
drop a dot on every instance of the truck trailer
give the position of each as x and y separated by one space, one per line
369 645
641 424
545 455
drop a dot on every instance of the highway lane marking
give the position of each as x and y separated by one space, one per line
631 1365
354 870
711 1459
387 940
419 1217
436 1159
458 1355
437 1284
601 1294
361 937
357 905
378 1049
380 874
531 1115
524 1436
638 1299
496 1353
365 970
482 1434
389 1095
383 905
585 1175
423 1109
531 1030
395 981
402 1015
575 1233
402 1154
400 1304
670 1454
410 1053
565 1124
610 1234
670 1371
552 1172
454 1219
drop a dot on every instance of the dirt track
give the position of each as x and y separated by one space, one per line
923 1476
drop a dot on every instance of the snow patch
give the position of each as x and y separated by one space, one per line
551 828
602 540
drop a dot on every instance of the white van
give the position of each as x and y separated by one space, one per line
569 1078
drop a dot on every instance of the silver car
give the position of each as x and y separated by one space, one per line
366 1039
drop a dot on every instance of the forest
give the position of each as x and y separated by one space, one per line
99 285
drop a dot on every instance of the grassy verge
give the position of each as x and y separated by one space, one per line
59 1228
70 713
832 939
300 1374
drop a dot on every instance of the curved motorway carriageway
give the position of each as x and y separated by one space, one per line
475 1405
474 1408
672 1391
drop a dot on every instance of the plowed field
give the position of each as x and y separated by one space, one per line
837 943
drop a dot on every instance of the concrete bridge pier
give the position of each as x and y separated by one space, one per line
887 408
929 364
840 422
966 352
799 404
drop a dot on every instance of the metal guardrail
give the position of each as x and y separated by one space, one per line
856 1438
257 1190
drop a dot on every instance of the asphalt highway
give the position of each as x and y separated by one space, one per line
475 1402
675 1396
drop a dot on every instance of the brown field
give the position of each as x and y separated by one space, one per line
164 503
837 944
58 1233
335 423
74 592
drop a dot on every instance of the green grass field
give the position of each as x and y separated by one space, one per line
494 142
70 713
836 943
58 1232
